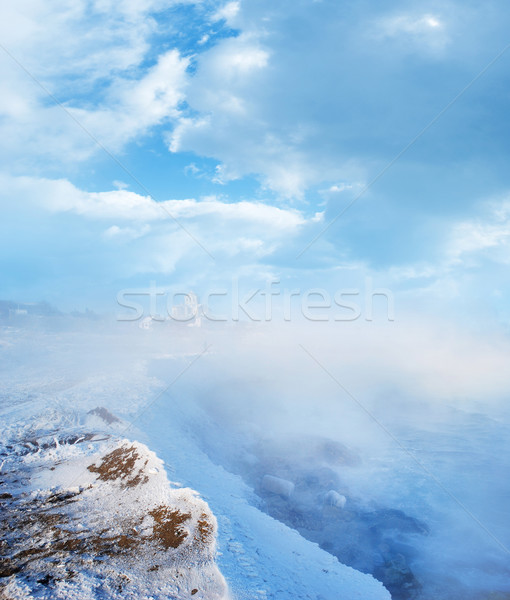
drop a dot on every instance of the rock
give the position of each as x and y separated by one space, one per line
105 415
333 498
276 485
398 578
111 519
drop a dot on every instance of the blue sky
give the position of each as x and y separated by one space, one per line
255 124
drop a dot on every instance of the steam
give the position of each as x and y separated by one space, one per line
399 428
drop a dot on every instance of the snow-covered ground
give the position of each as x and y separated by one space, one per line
89 511
92 515
299 485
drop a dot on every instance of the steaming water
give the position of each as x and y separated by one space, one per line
432 520
442 503
463 496
466 505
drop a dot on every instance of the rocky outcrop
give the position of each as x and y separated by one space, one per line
99 518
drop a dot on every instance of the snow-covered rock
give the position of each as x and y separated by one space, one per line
333 498
277 485
100 519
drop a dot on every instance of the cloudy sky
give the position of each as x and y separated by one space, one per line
313 142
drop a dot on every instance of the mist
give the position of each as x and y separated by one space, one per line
386 452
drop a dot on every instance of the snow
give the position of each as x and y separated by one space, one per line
260 557
58 456
103 516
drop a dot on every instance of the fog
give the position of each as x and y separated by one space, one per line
385 444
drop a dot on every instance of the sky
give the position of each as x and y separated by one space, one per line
205 146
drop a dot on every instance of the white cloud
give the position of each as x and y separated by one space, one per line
120 185
336 188
235 124
409 24
231 227
466 243
106 240
230 127
483 237
276 102
61 196
469 274
228 12
426 31
39 130
134 106
268 102
281 167
66 37
89 56
126 233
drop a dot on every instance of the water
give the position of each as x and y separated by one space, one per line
427 514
